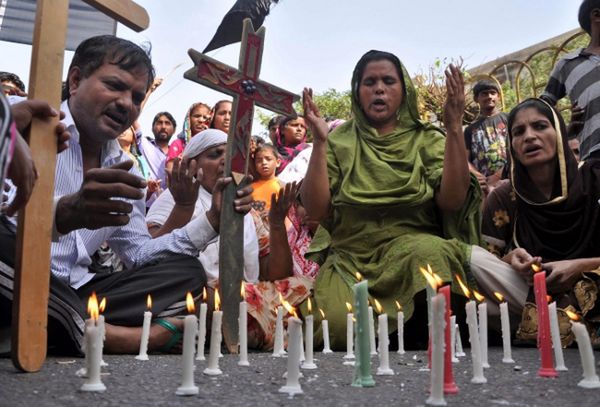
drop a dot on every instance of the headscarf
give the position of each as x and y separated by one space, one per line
287 153
385 170
566 226
203 141
186 133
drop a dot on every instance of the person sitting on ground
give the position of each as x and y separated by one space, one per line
196 120
266 161
485 138
548 214
99 197
221 116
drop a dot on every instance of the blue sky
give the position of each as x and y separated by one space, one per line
317 42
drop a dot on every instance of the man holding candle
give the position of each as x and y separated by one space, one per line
99 197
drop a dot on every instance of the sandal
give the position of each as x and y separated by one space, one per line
176 335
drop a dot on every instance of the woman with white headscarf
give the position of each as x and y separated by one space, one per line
190 194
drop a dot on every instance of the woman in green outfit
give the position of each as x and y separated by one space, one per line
394 193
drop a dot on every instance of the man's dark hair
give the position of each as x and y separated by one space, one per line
11 77
94 52
584 14
483 85
168 115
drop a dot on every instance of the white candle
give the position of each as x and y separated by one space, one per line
349 336
400 317
292 385
278 350
93 346
453 338
243 332
201 332
556 344
478 376
459 346
325 327
309 362
483 333
507 356
302 357
437 324
190 329
372 331
590 378
143 354
384 358
102 328
215 343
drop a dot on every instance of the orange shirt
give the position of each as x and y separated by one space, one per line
263 189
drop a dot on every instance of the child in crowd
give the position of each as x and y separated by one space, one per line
266 162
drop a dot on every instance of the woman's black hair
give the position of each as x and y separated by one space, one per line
371 56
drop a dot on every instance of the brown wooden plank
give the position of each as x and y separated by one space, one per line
32 268
125 12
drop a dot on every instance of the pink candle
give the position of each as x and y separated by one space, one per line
449 385
544 338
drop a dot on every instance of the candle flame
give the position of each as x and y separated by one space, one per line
378 306
536 268
349 306
398 306
438 280
573 316
291 310
463 286
478 296
309 306
217 300
499 296
359 276
429 277
322 313
204 295
243 291
149 302
93 307
548 298
189 302
102 305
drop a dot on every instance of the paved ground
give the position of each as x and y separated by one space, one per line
133 383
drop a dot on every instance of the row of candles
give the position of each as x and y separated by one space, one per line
360 336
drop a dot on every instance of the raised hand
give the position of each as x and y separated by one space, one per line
312 116
281 202
242 202
454 107
184 182
94 206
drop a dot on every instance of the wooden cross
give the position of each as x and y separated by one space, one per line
246 89
32 262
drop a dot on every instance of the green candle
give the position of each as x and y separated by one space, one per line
362 367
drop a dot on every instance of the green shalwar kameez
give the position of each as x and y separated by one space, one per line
385 223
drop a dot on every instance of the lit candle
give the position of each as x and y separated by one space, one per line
384 339
309 362
459 346
449 384
143 354
471 309
243 329
453 339
590 378
325 326
102 328
544 336
93 348
438 308
190 329
215 339
278 347
483 328
202 326
292 385
349 333
507 355
362 368
400 317
556 344
372 332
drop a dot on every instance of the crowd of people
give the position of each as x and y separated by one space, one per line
382 194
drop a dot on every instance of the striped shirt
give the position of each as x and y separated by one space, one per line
578 75
71 253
